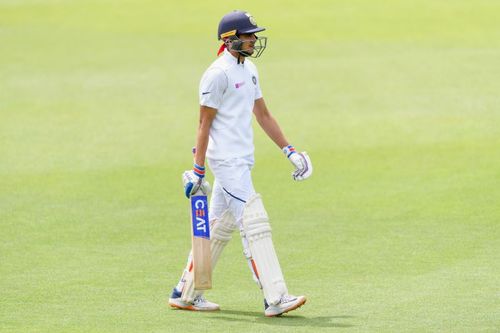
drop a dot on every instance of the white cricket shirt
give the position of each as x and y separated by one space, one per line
232 89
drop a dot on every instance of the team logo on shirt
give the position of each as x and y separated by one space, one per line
254 80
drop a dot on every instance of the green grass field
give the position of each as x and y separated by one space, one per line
397 103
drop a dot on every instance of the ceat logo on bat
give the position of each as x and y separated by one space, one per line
199 211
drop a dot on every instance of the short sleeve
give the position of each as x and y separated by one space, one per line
258 92
255 80
213 84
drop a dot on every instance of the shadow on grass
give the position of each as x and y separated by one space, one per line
285 320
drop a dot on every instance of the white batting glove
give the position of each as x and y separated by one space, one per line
194 181
301 162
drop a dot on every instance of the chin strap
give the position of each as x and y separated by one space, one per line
240 56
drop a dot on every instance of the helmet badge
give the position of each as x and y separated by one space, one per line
250 17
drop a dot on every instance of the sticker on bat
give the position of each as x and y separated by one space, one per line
199 217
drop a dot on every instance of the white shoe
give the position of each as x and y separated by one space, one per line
198 304
286 303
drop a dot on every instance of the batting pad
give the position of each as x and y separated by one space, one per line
221 233
258 233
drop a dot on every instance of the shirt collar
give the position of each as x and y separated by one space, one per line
229 57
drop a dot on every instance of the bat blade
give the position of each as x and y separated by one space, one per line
202 261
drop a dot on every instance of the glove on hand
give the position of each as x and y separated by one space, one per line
301 162
194 181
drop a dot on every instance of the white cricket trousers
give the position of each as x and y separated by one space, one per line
232 187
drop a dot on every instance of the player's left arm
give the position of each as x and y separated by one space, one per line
268 123
301 161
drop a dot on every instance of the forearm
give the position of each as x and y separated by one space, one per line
201 145
207 116
268 123
194 179
273 130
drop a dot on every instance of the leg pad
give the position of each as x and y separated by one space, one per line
258 234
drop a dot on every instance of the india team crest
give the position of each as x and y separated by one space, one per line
254 80
250 17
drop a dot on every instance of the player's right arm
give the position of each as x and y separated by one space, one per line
194 179
211 91
212 87
207 116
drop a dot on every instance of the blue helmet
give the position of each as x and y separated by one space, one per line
237 22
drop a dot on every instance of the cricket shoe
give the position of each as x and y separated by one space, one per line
286 303
198 304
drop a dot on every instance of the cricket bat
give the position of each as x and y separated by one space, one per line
202 261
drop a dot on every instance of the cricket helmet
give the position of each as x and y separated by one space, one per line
237 22
234 24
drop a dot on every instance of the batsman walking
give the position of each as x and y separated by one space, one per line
229 94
